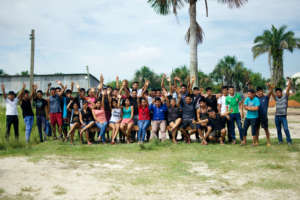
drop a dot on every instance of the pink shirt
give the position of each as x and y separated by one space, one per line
100 115
90 99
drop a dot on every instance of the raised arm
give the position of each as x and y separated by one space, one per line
21 93
33 91
69 105
270 92
117 82
62 88
48 90
3 91
190 89
72 86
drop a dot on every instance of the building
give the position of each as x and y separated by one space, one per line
15 82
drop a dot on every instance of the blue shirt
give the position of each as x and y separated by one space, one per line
253 103
159 113
264 105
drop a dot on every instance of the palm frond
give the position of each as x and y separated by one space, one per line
206 7
164 7
199 34
259 49
234 3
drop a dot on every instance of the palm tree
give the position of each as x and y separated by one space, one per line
194 35
274 42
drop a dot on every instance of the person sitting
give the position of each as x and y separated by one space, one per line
216 130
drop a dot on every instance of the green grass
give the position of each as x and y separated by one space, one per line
58 190
165 163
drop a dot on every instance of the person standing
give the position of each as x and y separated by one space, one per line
143 120
27 112
263 112
233 102
11 103
222 108
281 113
55 111
41 113
251 105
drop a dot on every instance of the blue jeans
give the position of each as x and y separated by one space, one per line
41 124
102 127
235 117
28 126
282 120
143 125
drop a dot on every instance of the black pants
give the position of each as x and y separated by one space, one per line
12 120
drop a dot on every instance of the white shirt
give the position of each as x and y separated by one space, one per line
139 91
11 106
221 101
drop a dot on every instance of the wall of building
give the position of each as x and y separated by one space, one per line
15 83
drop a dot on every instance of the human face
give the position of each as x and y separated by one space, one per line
158 103
68 95
231 91
144 103
115 92
91 92
208 92
134 94
225 92
202 104
127 102
75 106
259 93
251 95
52 92
82 94
135 86
173 102
278 93
98 104
152 93
188 100
114 104
183 90
212 114
39 95
26 96
196 92
158 93
11 97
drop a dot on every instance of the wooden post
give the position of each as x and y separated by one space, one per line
88 75
32 38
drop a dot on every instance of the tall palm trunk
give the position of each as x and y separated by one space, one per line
277 71
193 42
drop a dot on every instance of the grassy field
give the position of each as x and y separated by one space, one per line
151 171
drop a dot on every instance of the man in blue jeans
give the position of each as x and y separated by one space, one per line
251 104
281 112
233 102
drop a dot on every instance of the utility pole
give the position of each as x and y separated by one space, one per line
88 75
32 38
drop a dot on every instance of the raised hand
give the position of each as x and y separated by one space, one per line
77 86
49 85
2 86
169 79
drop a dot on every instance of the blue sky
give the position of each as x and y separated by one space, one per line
117 37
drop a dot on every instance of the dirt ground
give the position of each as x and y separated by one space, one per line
54 178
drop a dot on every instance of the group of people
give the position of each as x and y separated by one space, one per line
123 114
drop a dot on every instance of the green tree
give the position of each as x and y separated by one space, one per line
145 73
181 72
274 42
2 73
25 73
194 35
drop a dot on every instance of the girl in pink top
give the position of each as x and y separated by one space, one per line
100 119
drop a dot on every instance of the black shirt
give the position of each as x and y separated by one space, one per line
174 113
26 108
188 110
40 105
87 116
218 123
212 102
134 103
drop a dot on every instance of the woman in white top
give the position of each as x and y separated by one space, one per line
115 119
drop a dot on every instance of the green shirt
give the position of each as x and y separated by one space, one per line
233 103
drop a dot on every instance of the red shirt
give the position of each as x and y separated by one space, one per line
144 113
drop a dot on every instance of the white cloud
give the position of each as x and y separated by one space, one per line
117 37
